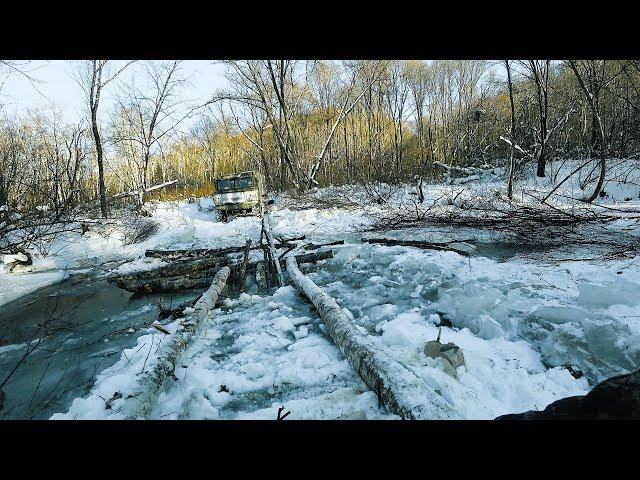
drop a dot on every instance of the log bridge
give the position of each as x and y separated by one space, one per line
195 268
397 386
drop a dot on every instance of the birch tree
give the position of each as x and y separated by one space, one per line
512 159
93 76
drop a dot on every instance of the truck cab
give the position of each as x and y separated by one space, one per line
238 193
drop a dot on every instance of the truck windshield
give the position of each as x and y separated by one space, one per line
229 184
225 185
244 182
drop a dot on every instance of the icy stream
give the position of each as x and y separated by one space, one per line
90 322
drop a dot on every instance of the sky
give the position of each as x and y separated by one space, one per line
56 87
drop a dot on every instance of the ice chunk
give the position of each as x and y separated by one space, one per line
600 348
472 306
620 292
297 321
602 338
254 370
403 331
284 324
486 327
467 302
302 332
560 314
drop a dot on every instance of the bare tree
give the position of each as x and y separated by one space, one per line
93 77
512 160
146 115
539 70
345 110
418 73
592 96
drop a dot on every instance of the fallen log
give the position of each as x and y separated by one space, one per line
167 284
149 386
146 190
302 258
171 279
176 268
316 246
399 389
193 252
458 247
310 257
213 252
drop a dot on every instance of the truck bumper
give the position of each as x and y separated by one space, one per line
235 207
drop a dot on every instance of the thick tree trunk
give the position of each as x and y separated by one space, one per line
192 252
541 162
102 189
266 228
243 267
167 284
187 274
179 267
152 380
399 389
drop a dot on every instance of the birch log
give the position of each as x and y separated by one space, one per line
168 284
197 273
178 267
152 379
399 389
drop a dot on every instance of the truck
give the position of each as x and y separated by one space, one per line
239 193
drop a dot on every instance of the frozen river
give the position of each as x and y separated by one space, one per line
80 327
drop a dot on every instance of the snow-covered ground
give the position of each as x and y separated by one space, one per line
520 322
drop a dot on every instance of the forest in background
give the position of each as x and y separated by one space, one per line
317 123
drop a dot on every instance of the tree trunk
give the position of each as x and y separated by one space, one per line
150 385
102 190
512 160
600 128
399 389
188 274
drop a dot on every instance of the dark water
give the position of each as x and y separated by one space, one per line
80 327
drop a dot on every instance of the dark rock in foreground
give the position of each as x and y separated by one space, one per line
617 398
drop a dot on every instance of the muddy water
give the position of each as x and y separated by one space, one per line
80 327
